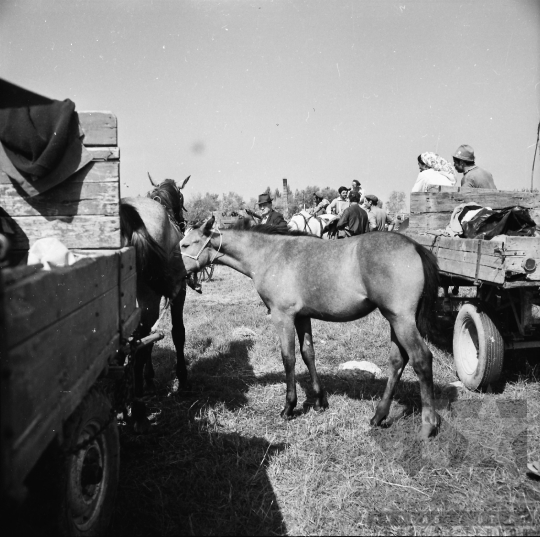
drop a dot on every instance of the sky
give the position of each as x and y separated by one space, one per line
241 94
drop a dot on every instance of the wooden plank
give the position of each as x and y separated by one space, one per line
487 274
51 362
73 231
44 298
436 202
128 297
470 257
104 153
100 128
35 439
93 172
71 198
428 221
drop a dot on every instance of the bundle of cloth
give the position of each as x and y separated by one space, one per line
472 221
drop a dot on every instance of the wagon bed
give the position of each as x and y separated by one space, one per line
62 330
503 312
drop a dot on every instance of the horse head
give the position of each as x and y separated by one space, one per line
169 194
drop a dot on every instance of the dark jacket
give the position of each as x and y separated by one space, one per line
275 219
355 219
478 178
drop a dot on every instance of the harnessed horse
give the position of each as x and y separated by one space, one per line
311 224
301 277
154 227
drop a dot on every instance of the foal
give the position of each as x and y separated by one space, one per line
300 278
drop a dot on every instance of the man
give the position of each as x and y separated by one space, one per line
354 219
473 176
357 187
338 205
269 216
321 203
377 216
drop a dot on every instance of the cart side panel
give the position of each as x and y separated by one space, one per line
432 210
83 211
46 297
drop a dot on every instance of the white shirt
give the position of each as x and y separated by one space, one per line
429 178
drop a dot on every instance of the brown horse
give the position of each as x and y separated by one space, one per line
302 277
145 224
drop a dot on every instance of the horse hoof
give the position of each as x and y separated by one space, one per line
287 413
320 407
376 421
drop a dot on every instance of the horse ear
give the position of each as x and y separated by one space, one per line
150 177
209 225
185 181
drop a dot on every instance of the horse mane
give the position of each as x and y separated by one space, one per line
169 195
244 224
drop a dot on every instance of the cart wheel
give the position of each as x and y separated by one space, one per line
478 348
77 490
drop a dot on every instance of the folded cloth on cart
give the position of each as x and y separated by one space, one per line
51 253
40 139
472 221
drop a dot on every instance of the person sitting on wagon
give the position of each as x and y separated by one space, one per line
321 203
473 176
268 216
434 171
338 205
354 220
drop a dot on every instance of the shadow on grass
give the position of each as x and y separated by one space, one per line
186 477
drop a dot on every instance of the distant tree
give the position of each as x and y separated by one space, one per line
397 203
201 207
231 202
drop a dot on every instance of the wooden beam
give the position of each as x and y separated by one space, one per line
100 128
74 231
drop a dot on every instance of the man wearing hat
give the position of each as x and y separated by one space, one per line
338 205
321 203
473 176
377 215
269 216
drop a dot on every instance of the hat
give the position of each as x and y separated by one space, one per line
264 198
372 198
465 152
319 194
341 188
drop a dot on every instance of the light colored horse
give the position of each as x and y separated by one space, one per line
300 278
308 223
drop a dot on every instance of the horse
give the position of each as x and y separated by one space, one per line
169 194
300 278
308 223
147 225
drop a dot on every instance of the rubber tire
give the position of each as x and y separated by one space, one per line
59 475
478 348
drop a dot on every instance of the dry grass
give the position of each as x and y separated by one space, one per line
220 461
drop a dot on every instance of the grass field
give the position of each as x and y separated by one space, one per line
219 461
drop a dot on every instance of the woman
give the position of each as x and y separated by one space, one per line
434 171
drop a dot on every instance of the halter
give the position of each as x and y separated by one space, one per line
196 257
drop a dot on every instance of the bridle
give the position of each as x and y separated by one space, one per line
196 257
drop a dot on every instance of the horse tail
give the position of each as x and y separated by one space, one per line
152 262
426 305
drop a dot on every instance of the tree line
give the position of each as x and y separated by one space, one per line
201 206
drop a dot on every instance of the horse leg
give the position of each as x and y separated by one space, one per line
421 358
178 333
398 361
303 329
285 329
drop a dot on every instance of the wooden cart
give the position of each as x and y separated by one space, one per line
502 310
61 331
